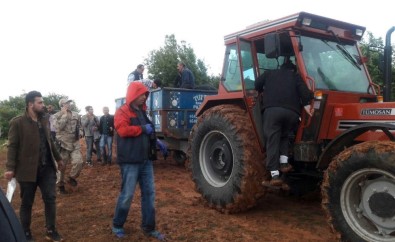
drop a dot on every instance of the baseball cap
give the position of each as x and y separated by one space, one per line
63 101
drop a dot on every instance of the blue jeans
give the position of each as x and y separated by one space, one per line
143 173
89 148
106 140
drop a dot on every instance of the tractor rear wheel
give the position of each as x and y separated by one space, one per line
358 192
226 161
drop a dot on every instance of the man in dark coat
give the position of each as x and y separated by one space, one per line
187 79
33 160
284 95
106 129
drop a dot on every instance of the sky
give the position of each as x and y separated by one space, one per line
85 49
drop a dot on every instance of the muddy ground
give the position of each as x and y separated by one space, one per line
86 214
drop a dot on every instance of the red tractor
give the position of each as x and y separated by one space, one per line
347 146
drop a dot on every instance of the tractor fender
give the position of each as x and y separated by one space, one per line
212 101
346 139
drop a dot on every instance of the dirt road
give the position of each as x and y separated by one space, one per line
86 214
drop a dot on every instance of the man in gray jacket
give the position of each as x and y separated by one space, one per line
90 124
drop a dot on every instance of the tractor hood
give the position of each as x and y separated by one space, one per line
346 116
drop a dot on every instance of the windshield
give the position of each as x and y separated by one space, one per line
334 66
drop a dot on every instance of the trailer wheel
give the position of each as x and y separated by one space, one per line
179 157
358 192
226 161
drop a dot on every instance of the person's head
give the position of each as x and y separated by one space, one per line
140 68
136 95
64 102
34 102
50 108
89 109
140 100
156 84
288 64
106 110
180 66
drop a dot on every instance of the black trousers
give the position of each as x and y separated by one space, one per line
46 181
277 124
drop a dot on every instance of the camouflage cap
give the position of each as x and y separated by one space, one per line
63 101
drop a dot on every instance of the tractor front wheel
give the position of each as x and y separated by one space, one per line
226 160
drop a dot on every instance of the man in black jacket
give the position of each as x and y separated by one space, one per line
106 129
186 79
284 95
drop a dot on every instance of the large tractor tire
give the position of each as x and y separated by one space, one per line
358 192
225 159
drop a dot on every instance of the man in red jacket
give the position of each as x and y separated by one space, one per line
32 158
136 149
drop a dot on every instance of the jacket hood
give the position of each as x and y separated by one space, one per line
135 89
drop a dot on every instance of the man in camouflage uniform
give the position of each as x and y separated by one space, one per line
67 135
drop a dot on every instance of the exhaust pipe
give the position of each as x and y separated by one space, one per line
388 66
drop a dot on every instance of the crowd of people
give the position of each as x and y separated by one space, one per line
41 144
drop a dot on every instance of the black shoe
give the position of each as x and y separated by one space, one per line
53 235
29 236
73 182
62 190
276 181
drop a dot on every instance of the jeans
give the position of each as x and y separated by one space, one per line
106 140
142 173
46 180
89 148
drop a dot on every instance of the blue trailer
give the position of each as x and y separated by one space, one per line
172 111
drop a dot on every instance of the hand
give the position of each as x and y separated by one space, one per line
309 110
148 129
9 175
162 148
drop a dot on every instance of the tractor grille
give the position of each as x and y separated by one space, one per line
343 125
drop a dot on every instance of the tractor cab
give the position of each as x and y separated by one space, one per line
325 53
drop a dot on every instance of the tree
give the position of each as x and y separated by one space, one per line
15 106
373 49
162 63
